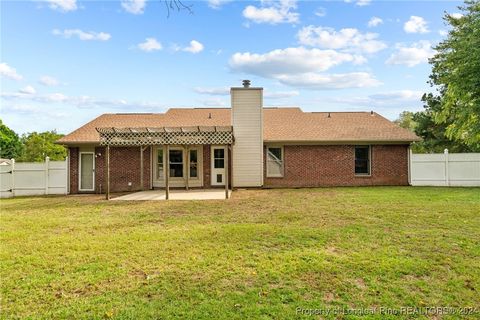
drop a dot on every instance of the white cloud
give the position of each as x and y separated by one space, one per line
221 91
349 39
288 61
225 91
217 4
374 22
443 33
48 81
214 102
280 94
134 6
273 12
195 47
359 3
150 44
80 101
388 103
82 35
319 81
456 15
9 72
301 67
29 110
417 53
321 12
63 5
416 24
28 90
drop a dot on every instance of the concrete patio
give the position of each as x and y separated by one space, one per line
195 194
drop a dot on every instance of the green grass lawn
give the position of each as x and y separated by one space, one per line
261 254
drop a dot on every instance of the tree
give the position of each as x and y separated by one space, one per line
405 120
455 73
10 144
37 146
433 134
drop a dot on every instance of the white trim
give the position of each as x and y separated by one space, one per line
80 170
214 171
282 174
178 182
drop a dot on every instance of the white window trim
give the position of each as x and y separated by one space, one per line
183 164
156 177
80 171
369 174
197 148
270 175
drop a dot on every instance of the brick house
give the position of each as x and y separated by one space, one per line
247 145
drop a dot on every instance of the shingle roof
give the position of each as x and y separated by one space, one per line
280 124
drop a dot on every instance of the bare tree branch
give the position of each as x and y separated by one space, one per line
177 5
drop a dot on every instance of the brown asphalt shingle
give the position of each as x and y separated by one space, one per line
280 124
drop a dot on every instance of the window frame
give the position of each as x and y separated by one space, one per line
282 173
369 160
189 163
158 177
170 163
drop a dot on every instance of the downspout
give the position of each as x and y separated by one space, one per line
409 165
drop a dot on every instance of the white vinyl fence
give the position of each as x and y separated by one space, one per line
33 178
447 169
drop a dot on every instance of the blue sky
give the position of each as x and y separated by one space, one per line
64 62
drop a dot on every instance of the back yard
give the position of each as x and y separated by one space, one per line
262 254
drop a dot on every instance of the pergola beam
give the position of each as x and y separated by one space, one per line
165 135
107 156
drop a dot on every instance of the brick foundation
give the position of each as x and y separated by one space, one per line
323 165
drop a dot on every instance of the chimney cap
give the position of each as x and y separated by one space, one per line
246 83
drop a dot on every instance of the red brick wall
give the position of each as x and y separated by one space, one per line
207 169
73 158
124 168
322 165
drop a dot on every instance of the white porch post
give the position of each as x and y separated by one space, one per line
167 175
226 171
107 155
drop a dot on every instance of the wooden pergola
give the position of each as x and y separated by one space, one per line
166 136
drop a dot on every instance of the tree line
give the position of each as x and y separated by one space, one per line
30 147
451 115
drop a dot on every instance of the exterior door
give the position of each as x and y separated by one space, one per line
218 166
87 171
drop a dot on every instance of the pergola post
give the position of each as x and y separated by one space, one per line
187 161
167 176
107 156
141 168
226 171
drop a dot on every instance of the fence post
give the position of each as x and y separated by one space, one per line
47 165
447 178
12 185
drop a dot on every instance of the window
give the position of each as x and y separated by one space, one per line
362 160
176 163
274 162
218 158
160 173
194 163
